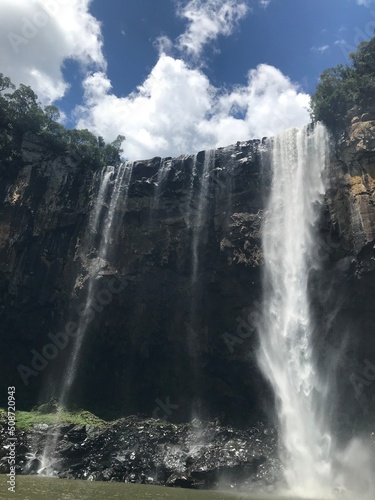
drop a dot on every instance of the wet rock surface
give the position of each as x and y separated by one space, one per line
165 336
146 329
148 451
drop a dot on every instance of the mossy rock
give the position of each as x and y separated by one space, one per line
26 419
51 407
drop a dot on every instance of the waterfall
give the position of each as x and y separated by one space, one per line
103 221
201 214
198 224
110 227
163 172
188 212
286 354
161 179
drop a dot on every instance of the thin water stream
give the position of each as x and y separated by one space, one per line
103 221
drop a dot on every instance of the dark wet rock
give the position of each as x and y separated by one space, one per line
147 341
149 451
31 466
366 117
43 274
77 434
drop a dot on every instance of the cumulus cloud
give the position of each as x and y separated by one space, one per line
176 110
207 19
37 36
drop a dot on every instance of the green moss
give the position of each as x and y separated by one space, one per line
25 419
3 416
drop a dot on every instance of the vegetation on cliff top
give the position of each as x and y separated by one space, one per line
26 419
343 88
339 90
20 113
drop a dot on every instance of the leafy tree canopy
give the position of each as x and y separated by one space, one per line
345 87
20 112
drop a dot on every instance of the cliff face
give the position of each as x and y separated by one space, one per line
158 340
352 197
346 295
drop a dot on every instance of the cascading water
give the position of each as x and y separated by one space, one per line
199 219
188 212
107 227
201 214
286 355
110 228
163 172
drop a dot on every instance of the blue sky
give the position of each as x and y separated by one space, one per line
176 76
284 34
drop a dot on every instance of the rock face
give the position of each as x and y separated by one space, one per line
353 182
149 451
163 341
162 336
344 289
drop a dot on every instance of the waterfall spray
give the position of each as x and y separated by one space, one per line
286 356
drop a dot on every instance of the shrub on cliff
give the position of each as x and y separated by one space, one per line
344 87
20 112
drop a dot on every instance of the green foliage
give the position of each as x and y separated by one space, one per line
25 419
5 83
20 112
113 150
344 87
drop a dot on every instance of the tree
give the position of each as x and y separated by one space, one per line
364 59
344 87
52 113
24 111
5 83
117 143
21 112
112 151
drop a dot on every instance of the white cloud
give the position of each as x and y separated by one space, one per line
156 119
163 44
322 49
36 36
177 110
207 20
367 3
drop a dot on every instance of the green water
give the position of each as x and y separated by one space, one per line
38 488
